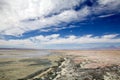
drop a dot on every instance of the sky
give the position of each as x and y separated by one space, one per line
60 24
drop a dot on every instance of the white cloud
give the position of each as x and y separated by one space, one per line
110 36
15 11
107 6
55 39
17 43
15 14
108 2
72 39
102 16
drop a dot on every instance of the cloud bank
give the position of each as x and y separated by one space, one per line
55 40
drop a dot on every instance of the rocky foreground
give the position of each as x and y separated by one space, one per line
68 70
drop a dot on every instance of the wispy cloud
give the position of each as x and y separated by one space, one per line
103 16
14 13
20 16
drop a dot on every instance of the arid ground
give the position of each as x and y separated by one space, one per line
16 64
97 58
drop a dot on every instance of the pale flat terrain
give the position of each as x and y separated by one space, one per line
96 58
15 64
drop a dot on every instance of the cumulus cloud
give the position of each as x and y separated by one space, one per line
110 36
55 39
20 16
72 39
17 43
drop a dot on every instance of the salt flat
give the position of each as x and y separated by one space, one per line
99 57
15 64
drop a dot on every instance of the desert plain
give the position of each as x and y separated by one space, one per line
17 64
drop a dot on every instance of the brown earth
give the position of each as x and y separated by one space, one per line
84 63
94 58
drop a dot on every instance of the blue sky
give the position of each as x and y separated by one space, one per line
45 24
